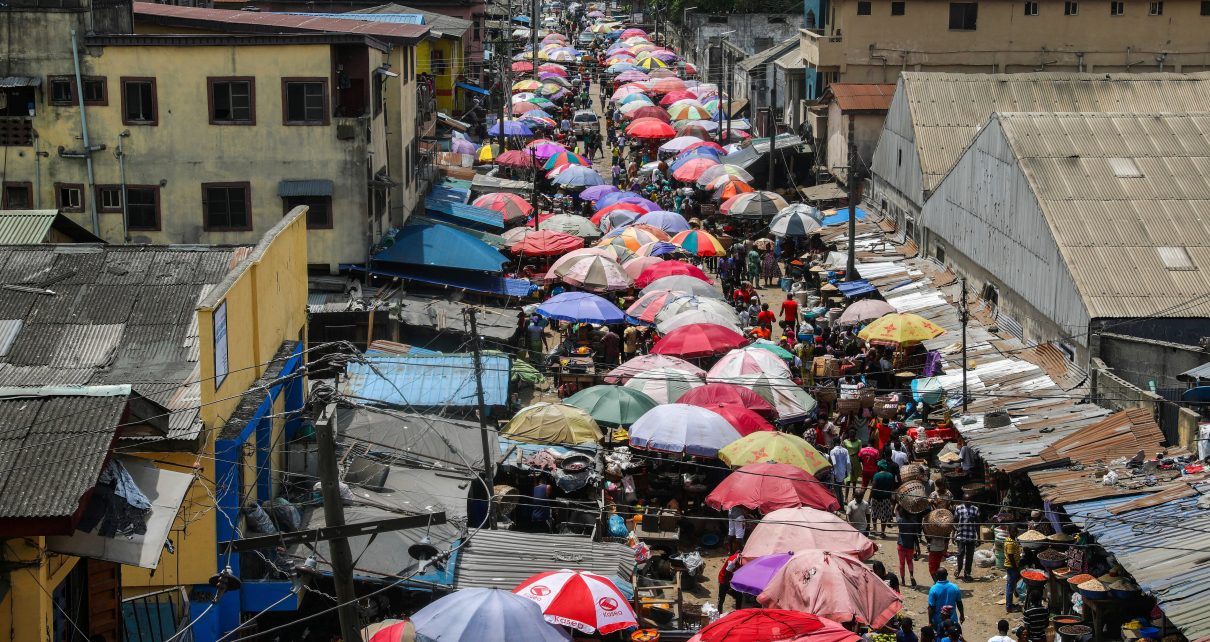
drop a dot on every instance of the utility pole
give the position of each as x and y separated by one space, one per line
771 127
334 516
489 475
964 316
502 57
850 273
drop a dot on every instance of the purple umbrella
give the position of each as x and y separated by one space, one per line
662 248
754 576
597 191
639 200
463 146
511 128
614 197
666 56
670 222
546 150
580 307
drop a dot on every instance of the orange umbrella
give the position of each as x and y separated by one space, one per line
731 188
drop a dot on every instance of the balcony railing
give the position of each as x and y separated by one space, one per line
156 617
16 131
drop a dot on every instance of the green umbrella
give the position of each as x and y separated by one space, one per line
612 405
765 344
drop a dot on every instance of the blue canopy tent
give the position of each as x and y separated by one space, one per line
441 247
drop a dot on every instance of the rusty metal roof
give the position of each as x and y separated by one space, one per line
263 22
862 96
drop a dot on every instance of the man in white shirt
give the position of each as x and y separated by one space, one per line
899 455
858 513
1002 636
839 457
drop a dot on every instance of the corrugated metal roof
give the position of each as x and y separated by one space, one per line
947 110
1121 434
768 55
435 21
25 227
394 18
792 59
429 382
1109 229
20 81
1194 374
417 439
462 213
503 559
263 22
451 194
862 96
314 187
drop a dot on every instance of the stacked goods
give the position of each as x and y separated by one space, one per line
939 523
1032 539
1093 589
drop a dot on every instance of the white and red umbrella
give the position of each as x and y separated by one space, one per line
582 601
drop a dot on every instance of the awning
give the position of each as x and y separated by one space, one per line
522 19
165 489
485 283
451 122
464 214
437 382
855 288
470 87
736 106
315 187
842 215
440 246
450 194
1195 374
494 240
823 192
20 81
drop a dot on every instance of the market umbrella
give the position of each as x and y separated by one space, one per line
804 528
634 209
522 67
757 573
692 303
618 196
681 428
679 144
726 394
631 75
646 362
583 601
765 344
609 221
753 205
666 85
699 340
580 307
790 400
612 405
475 614
552 423
389 631
769 487
566 158
522 108
699 243
670 268
627 89
778 448
632 32
832 585
686 284
578 176
928 390
773 625
591 272
695 129
650 129
864 310
463 146
526 85
570 224
674 96
515 235
794 222
897 329
743 420
706 144
668 323
517 159
730 188
670 222
632 237
595 192
619 252
487 153
664 385
803 208
544 149
724 170
552 68
635 265
649 111
688 172
511 128
510 205
547 243
688 111
650 303
748 360
658 248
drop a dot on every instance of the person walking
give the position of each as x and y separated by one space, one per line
839 456
907 546
858 513
769 269
945 593
789 315
882 496
754 266
1012 568
1036 616
734 561
966 534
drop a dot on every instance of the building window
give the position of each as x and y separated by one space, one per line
142 207
898 8
69 197
1156 9
226 206
1031 8
1176 258
232 100
1206 7
304 101
1071 8
109 198
1117 8
139 104
1125 168
963 16
938 252
476 35
717 19
319 212
17 196
63 90
864 8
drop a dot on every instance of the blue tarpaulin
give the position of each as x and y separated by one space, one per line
429 381
855 288
463 214
842 215
441 246
470 87
448 194
485 283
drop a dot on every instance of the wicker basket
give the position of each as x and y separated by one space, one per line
867 398
914 472
912 498
939 523
885 407
824 394
848 405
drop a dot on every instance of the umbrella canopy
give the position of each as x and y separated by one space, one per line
581 307
609 221
670 320
670 268
553 423
865 310
632 75
699 243
794 222
765 344
670 222
657 248
699 129
633 237
647 362
591 272
726 394
547 243
699 340
790 400
544 149
769 487
636 209
522 108
579 176
565 158
833 586
511 128
743 420
898 329
675 96
650 304
635 266
513 236
389 631
522 67
595 192
487 153
648 111
582 601
727 187
664 385
650 129
686 284
476 614
771 625
724 170
679 144
570 224
757 204
626 197
510 205
789 530
689 172
688 110
778 448
803 208
517 159
619 252
681 428
748 361
612 405
757 573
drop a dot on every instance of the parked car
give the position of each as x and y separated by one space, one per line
584 122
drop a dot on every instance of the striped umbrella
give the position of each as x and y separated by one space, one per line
631 237
699 243
753 205
510 205
730 187
565 158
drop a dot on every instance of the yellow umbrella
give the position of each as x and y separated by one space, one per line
896 329
488 153
528 84
553 423
773 447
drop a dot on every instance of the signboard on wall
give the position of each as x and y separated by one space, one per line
220 345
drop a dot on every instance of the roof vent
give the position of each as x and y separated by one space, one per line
1125 168
1176 258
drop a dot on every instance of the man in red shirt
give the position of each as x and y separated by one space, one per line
766 317
789 314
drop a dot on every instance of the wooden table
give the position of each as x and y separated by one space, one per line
578 369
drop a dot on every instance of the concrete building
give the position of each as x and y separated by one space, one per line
861 107
934 116
873 41
756 81
716 43
1073 225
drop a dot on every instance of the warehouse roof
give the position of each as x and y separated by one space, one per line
27 227
768 55
503 559
264 22
853 96
429 381
437 22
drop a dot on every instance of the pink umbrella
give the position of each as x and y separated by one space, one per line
647 362
562 262
769 487
583 601
634 267
691 170
670 268
699 340
651 303
798 529
743 420
749 361
593 273
831 585
633 75
729 394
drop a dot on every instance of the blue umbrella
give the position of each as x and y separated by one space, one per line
581 307
477 614
698 152
670 222
928 390
597 192
578 176
511 128
662 248
613 198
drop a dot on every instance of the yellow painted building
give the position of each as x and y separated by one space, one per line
443 60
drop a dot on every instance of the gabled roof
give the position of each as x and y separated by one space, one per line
768 55
27 227
264 22
436 22
861 96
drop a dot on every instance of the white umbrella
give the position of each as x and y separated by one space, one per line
798 219
687 303
691 317
742 361
790 401
686 284
681 428
665 385
571 224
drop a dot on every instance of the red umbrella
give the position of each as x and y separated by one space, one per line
705 143
650 128
516 158
674 96
510 205
728 394
768 487
667 85
699 340
770 625
669 268
547 243
582 601
629 207
743 420
522 67
650 111
690 171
